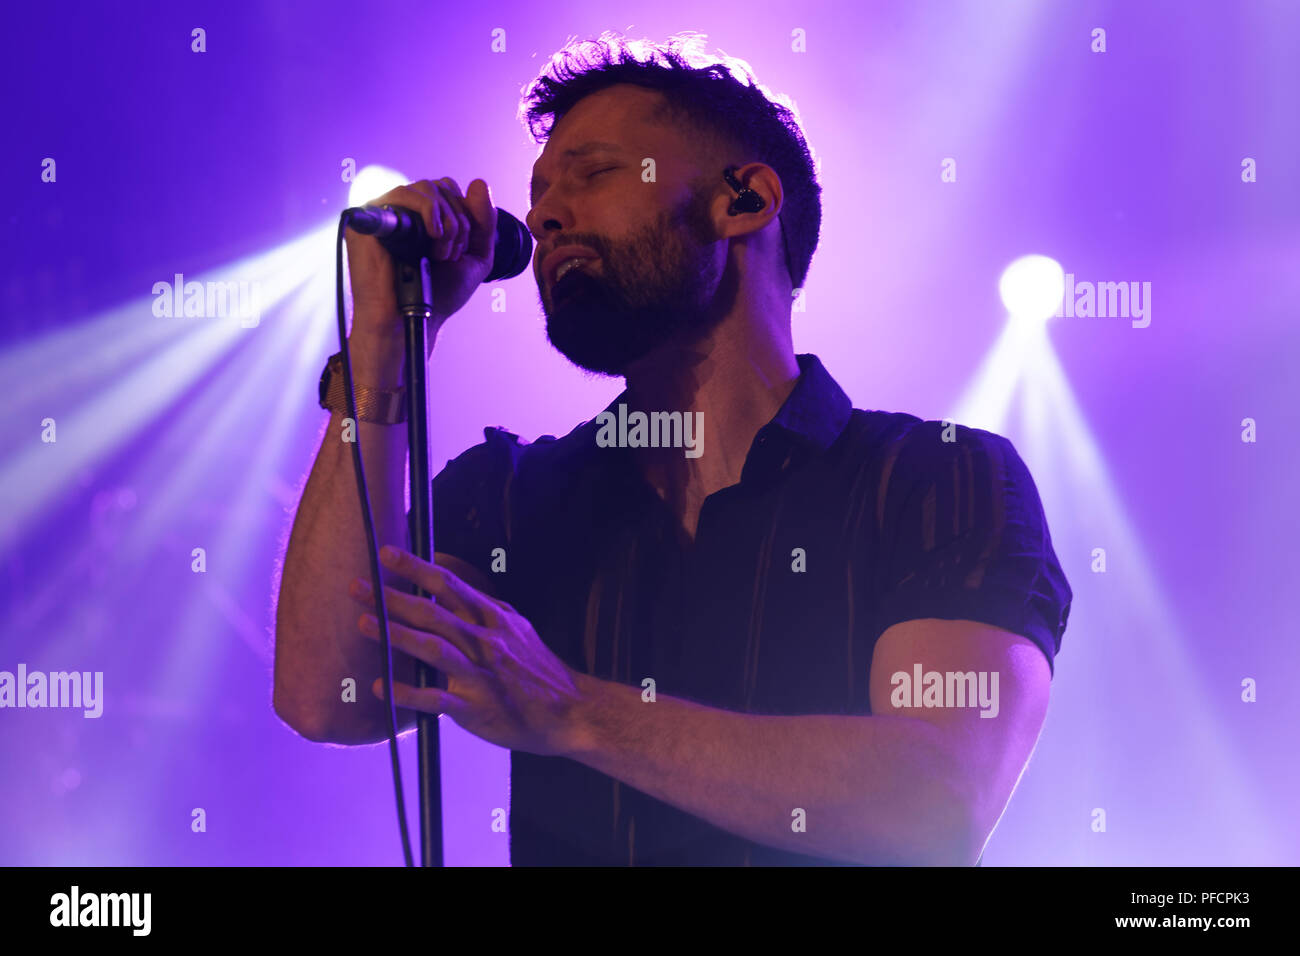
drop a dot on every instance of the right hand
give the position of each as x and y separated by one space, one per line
463 231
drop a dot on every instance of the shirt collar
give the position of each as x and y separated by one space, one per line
813 415
815 412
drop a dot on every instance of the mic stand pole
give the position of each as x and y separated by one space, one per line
414 287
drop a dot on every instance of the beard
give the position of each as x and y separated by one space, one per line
657 285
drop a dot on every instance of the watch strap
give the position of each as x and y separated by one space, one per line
379 405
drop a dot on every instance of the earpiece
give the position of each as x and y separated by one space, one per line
749 201
746 199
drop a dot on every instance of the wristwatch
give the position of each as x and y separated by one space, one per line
380 405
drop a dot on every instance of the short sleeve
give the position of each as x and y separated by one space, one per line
471 499
963 537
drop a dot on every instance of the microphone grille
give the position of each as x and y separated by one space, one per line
514 249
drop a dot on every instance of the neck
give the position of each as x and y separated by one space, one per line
737 378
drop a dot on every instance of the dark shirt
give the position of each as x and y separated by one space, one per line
893 523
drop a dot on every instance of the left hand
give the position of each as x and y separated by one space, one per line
503 683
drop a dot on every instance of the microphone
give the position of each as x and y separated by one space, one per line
402 232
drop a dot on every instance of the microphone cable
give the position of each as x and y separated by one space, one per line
371 545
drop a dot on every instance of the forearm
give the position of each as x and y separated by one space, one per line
882 790
317 642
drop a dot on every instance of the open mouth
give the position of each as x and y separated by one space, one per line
570 266
568 278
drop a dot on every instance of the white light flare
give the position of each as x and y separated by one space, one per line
372 182
1032 288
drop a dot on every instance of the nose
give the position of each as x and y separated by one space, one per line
541 225
546 216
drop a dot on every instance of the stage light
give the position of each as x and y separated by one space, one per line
372 182
1032 288
114 378
1069 467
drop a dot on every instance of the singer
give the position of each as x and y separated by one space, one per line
693 660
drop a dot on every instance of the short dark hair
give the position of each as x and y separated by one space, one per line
717 95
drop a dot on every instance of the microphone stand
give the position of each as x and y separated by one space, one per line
413 284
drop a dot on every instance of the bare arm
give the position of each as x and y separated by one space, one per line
905 786
918 781
317 642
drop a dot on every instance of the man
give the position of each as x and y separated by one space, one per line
803 633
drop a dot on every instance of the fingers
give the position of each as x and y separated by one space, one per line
457 224
461 226
475 225
429 700
433 650
424 615
440 220
448 589
483 228
422 197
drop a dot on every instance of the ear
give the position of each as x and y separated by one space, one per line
763 180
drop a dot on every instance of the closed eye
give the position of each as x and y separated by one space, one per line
607 169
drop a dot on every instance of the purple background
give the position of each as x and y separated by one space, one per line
177 433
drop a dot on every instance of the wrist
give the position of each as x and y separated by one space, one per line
580 736
382 403
378 359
